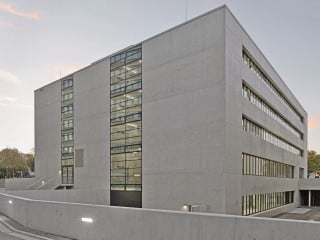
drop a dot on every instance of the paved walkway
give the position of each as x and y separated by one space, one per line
11 230
302 214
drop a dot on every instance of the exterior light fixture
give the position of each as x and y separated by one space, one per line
86 220
186 208
10 201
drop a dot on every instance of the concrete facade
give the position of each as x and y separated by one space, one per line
192 110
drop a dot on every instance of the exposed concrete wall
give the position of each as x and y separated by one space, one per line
87 196
142 224
183 116
18 183
91 125
48 130
309 184
238 141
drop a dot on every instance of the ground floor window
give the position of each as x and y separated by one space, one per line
256 203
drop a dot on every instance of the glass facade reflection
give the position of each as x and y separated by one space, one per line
125 120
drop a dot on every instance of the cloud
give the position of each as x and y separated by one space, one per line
313 123
13 102
9 8
9 77
3 24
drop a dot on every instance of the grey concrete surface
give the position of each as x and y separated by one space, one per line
118 223
312 215
87 196
18 183
11 230
309 184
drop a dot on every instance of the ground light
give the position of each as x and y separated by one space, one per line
87 220
10 201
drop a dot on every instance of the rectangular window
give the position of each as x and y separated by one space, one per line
67 144
265 107
254 165
125 120
252 127
251 63
252 204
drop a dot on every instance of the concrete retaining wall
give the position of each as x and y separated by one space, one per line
86 196
18 183
143 224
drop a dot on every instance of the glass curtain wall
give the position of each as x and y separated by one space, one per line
125 120
67 144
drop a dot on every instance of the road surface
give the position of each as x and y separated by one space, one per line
11 230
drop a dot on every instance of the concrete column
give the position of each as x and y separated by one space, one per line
309 198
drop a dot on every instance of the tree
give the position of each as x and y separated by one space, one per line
13 163
313 161
30 161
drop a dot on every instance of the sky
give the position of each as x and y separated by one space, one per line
41 40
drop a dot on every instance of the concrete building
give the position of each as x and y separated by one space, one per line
194 118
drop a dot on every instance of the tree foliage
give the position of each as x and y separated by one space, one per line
14 163
313 161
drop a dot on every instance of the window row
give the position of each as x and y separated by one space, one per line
126 141
126 180
125 57
67 109
125 82
127 104
68 149
67 162
256 203
67 96
67 124
126 119
125 165
121 88
258 131
262 105
129 130
253 165
126 112
126 149
126 68
125 100
67 83
67 136
132 156
126 171
128 74
253 66
126 187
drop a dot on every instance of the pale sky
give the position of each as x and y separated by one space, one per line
41 37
